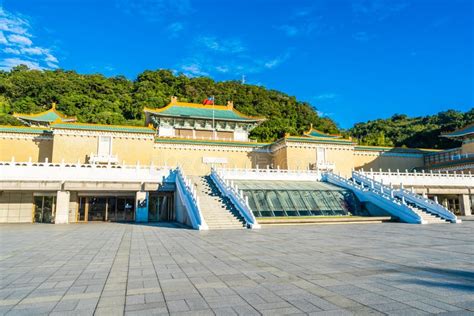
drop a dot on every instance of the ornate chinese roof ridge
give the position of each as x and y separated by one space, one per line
200 111
316 133
104 127
24 129
397 149
208 142
461 132
49 116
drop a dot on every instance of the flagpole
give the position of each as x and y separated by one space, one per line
213 124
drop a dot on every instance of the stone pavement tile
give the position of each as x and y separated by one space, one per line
469 305
425 307
281 304
38 308
386 307
66 305
135 299
338 312
110 301
177 306
341 301
149 306
197 303
226 301
363 310
224 311
457 313
76 312
245 310
207 312
87 303
109 311
322 303
407 312
304 306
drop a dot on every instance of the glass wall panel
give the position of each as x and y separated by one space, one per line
293 202
44 209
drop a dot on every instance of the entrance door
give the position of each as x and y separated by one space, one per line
161 208
125 209
44 209
97 208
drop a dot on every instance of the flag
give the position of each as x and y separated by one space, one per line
208 101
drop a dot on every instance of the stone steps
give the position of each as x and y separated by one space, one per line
217 212
429 218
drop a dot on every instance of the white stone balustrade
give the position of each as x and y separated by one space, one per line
269 174
422 178
45 171
103 159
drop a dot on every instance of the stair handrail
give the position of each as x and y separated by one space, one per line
236 197
190 199
431 206
383 196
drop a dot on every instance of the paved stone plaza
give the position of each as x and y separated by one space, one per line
115 269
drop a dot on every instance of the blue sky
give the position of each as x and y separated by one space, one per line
353 60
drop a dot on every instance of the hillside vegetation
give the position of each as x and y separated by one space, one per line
117 100
418 132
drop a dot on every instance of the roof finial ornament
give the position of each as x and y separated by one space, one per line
53 105
174 99
230 104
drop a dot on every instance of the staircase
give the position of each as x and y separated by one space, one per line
427 217
217 210
406 206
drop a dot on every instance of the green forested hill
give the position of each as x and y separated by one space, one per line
418 132
117 100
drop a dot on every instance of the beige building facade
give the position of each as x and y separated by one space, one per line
213 136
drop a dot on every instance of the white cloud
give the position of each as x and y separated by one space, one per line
174 29
3 39
193 70
289 30
34 51
326 97
155 10
231 46
361 36
19 39
13 23
9 50
378 10
9 63
272 63
17 46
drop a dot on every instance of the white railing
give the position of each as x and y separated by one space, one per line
269 174
407 196
104 159
188 195
323 166
237 198
46 171
431 178
384 199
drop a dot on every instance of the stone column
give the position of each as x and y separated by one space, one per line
141 206
62 207
465 204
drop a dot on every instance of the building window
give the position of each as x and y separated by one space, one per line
105 146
